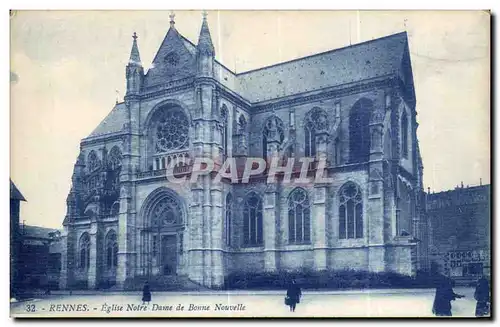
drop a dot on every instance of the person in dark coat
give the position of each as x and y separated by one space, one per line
146 293
293 294
444 296
482 296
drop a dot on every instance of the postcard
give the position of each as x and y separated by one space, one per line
231 164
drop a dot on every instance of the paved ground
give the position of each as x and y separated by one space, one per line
375 303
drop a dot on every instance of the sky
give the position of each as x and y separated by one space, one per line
68 70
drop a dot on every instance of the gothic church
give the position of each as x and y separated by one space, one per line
353 106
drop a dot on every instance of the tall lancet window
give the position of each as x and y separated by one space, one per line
350 211
404 135
84 252
359 131
252 220
299 217
228 217
316 120
225 129
111 250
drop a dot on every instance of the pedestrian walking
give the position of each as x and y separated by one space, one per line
146 293
293 295
444 296
482 296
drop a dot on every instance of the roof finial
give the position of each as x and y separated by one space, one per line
172 18
204 14
134 36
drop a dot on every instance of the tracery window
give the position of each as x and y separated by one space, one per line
316 120
170 130
92 161
350 211
228 217
252 220
84 251
299 217
404 135
166 212
273 128
111 250
115 158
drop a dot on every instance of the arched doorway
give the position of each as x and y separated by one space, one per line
162 233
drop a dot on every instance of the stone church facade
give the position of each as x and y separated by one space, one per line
353 106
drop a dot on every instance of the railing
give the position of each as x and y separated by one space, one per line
181 161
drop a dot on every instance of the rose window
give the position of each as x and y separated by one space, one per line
171 131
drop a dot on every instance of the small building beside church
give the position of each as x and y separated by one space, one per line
460 231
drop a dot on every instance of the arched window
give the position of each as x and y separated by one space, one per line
225 129
166 212
84 251
227 220
169 130
359 131
404 135
273 128
299 217
115 158
111 250
350 211
252 220
316 120
92 161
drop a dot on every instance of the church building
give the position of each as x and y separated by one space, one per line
353 106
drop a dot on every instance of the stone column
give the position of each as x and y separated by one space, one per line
319 206
270 226
217 214
319 227
374 220
92 270
124 230
67 258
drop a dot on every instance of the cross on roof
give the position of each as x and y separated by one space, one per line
172 17
204 14
134 36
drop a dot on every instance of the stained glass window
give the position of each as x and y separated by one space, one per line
350 211
170 130
252 220
299 217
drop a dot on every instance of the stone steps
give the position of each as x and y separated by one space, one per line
163 283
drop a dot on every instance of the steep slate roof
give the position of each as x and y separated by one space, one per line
336 67
113 122
15 194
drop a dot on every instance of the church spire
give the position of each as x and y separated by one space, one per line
135 58
205 45
134 70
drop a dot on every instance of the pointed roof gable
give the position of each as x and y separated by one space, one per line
15 194
135 58
205 45
174 60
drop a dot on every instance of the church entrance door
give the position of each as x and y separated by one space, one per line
169 254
